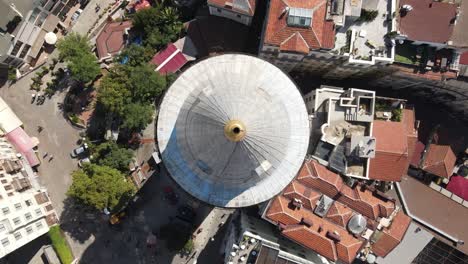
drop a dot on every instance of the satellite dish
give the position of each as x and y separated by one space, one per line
357 224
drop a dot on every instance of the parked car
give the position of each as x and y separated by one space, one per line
76 15
79 150
83 161
186 213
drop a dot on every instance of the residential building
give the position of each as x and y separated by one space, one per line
241 11
174 56
325 37
26 210
439 211
251 240
112 39
438 28
340 222
360 135
25 43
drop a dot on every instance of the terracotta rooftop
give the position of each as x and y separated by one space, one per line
328 235
231 4
111 39
320 34
429 20
440 160
395 144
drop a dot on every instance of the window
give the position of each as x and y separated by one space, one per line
24 51
29 229
4 181
300 17
16 220
238 16
2 227
18 235
5 242
16 48
5 210
219 10
28 216
38 211
18 206
39 225
8 60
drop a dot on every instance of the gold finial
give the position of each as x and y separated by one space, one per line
234 130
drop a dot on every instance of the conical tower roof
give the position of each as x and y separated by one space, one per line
233 130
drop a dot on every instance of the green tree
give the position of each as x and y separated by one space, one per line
114 91
136 55
73 45
100 187
137 116
112 155
159 25
84 68
146 84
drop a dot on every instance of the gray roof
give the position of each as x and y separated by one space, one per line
199 154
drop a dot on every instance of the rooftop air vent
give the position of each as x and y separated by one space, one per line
357 224
323 205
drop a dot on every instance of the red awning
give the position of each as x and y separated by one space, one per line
169 60
23 144
459 186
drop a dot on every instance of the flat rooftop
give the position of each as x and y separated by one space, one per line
369 37
443 213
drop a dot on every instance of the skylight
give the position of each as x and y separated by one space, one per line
300 17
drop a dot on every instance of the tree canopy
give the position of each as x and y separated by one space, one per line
76 50
73 45
84 68
135 55
137 116
159 25
112 155
100 187
129 93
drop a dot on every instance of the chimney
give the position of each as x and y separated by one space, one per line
306 222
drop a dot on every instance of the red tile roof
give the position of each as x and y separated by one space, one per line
169 60
428 21
321 34
295 43
230 3
395 145
440 160
111 39
459 186
417 154
302 225
391 237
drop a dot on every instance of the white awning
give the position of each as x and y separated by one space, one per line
50 38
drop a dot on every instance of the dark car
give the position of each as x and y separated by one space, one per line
186 213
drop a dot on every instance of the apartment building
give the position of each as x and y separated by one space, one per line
241 11
25 208
326 37
360 135
23 44
339 221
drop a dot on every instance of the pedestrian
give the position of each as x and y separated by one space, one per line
39 129
45 154
51 158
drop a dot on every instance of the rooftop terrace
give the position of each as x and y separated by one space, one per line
365 41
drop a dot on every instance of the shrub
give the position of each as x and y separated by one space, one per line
188 247
11 74
368 15
396 114
60 245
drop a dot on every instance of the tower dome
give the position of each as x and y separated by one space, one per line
233 130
